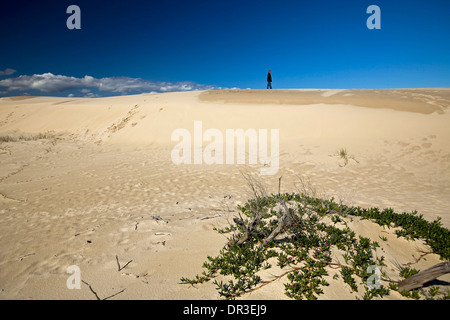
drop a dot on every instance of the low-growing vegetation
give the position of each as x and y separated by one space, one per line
26 137
299 234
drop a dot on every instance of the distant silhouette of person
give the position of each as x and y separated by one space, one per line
269 80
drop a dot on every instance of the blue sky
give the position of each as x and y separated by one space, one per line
140 46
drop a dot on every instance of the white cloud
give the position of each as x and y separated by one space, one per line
7 72
46 82
50 83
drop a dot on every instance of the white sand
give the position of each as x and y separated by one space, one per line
109 170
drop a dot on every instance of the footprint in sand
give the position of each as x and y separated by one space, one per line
6 120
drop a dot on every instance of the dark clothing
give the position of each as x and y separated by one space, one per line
269 81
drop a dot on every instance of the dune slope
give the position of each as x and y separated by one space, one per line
92 182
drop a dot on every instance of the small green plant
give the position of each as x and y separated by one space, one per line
413 294
406 272
343 154
433 292
380 292
347 275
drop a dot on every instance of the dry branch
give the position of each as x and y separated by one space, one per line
284 220
419 279
92 290
97 296
118 264
210 217
157 218
250 229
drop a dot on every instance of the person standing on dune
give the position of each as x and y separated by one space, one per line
269 80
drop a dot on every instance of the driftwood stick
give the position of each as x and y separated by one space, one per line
251 228
419 279
210 217
283 221
96 295
92 290
285 218
115 294
118 264
279 185
157 218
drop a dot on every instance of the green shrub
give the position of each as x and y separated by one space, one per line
305 247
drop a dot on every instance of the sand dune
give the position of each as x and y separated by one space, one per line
424 101
84 181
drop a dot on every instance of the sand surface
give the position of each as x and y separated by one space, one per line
91 189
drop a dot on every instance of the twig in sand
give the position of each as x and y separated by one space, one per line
118 264
27 255
96 295
424 253
279 185
162 234
210 217
92 290
115 294
159 218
